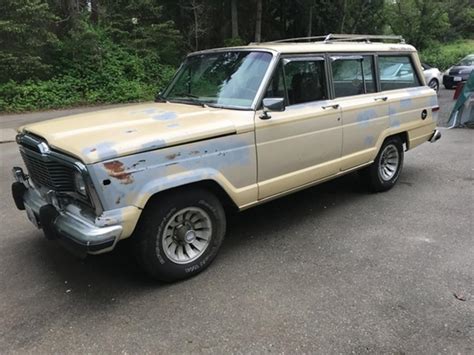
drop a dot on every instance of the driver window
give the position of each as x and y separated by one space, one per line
304 81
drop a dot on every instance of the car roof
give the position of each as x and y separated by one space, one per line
319 47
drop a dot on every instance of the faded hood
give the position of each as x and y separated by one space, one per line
108 134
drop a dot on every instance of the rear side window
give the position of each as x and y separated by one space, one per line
299 80
397 72
353 75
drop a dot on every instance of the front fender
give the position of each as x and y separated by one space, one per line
230 161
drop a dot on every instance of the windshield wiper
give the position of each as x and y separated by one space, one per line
214 105
160 98
185 94
190 101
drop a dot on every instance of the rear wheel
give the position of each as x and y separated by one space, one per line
448 87
179 234
384 172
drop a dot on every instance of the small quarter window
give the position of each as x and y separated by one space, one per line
396 72
277 84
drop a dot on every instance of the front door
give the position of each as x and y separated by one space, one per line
303 143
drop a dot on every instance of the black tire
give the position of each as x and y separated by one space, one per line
448 87
434 84
149 234
373 175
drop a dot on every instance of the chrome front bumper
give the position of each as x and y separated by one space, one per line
79 234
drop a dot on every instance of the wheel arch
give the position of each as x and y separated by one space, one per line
209 185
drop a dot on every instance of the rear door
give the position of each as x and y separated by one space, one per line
364 111
303 143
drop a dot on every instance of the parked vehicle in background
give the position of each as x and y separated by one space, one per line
433 76
459 72
235 128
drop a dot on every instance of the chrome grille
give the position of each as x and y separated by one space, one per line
47 172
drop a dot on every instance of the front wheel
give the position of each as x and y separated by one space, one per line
179 234
434 84
384 172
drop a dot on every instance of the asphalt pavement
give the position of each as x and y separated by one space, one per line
332 269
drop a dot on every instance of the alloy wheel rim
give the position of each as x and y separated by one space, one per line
187 235
388 163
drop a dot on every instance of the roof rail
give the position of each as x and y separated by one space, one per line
343 37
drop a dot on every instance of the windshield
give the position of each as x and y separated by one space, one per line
224 79
468 61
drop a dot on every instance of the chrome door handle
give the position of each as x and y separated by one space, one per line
384 98
335 106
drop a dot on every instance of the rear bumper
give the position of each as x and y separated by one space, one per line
77 233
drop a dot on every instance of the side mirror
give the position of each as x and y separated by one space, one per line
272 104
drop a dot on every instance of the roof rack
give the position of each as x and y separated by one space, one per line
342 38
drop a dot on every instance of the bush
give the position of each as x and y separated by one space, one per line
67 91
444 56
89 69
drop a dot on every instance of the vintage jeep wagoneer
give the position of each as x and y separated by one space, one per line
236 127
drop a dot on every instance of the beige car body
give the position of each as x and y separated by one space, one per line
134 152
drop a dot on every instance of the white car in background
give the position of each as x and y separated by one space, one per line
433 76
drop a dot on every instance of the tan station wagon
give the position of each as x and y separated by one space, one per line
236 127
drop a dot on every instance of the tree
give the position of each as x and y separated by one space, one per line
420 22
235 19
258 22
26 39
199 19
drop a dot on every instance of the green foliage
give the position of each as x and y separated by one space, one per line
234 42
138 24
443 56
58 53
418 21
99 71
25 39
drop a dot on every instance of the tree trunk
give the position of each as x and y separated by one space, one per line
196 26
344 9
235 19
310 20
95 11
258 22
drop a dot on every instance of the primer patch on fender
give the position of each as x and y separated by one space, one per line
165 116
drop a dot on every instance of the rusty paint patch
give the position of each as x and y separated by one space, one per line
116 170
93 150
173 156
117 201
194 152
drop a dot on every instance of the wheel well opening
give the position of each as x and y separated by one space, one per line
404 137
209 185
